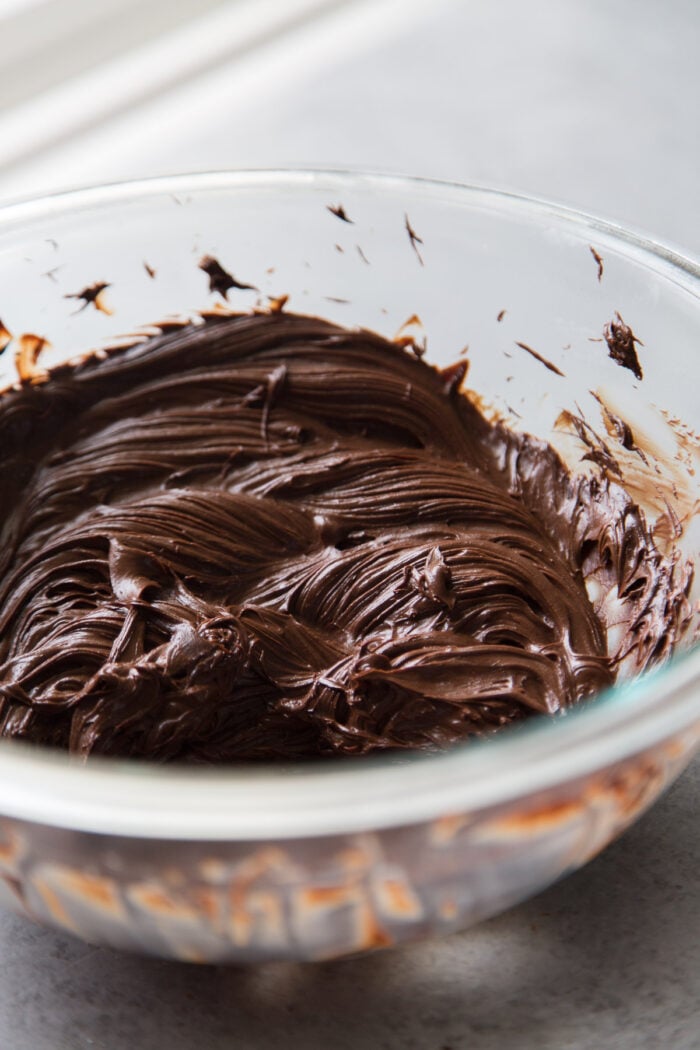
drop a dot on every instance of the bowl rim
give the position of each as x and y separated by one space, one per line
329 797
25 209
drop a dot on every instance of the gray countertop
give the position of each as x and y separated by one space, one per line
609 957
594 104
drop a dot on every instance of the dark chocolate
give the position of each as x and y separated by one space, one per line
538 357
220 280
598 260
5 338
413 238
622 345
91 295
267 536
339 211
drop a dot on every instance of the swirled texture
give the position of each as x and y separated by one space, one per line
268 536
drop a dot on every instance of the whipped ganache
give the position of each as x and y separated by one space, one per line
267 536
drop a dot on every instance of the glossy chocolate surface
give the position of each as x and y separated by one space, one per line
270 537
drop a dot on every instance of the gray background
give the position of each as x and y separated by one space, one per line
593 103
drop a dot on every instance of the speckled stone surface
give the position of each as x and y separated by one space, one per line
610 957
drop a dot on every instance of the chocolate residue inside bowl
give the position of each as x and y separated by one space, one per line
622 345
92 295
414 239
5 338
220 280
266 536
30 347
598 261
339 211
538 357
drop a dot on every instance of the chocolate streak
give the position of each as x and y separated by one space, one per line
267 536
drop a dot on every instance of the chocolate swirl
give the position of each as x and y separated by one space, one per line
268 536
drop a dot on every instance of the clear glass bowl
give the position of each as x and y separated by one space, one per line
312 861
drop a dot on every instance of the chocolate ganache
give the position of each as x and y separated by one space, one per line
267 536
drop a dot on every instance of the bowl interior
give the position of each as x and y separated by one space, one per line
454 266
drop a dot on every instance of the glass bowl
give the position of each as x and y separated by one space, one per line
317 860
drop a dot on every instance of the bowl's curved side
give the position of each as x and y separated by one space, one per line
325 897
212 868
